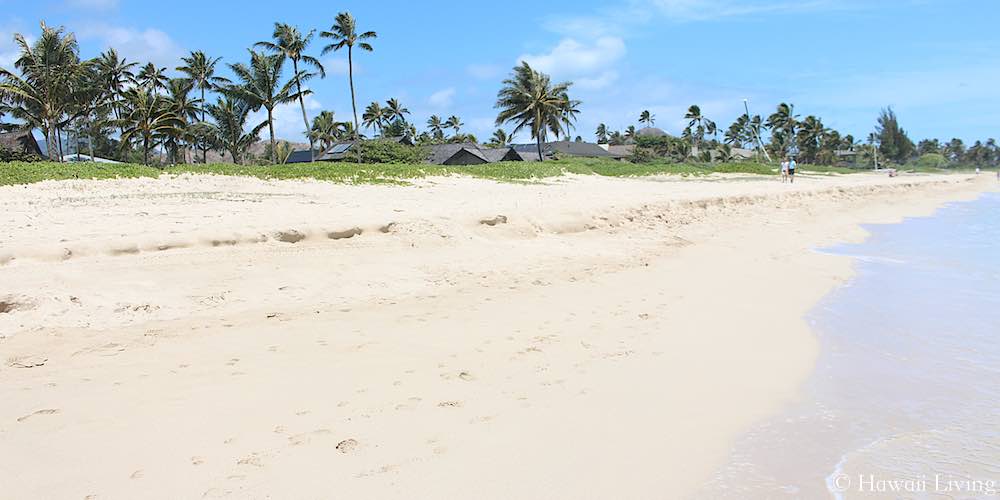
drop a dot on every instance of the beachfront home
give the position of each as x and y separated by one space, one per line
563 149
469 154
340 150
20 141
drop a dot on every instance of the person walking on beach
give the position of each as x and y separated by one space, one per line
784 171
791 170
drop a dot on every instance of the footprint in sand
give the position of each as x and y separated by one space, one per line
347 446
197 460
137 474
450 404
306 437
26 361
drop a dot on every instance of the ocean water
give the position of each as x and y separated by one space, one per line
905 398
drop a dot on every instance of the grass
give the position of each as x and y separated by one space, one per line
27 173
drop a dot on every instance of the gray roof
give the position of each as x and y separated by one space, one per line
439 154
501 154
340 149
651 132
21 141
529 152
300 156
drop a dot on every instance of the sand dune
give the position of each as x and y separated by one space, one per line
584 337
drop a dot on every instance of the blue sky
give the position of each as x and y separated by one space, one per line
936 62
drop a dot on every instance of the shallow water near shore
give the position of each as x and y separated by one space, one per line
905 398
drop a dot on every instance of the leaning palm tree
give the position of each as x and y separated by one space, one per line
289 42
602 133
260 86
530 100
373 117
630 132
230 126
344 33
698 126
648 118
148 119
152 78
436 126
200 70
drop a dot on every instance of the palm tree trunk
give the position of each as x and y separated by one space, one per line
538 142
302 104
270 127
204 150
59 138
354 102
145 151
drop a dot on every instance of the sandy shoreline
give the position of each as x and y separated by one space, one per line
587 338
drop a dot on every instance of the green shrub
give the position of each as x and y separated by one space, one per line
9 155
931 161
387 152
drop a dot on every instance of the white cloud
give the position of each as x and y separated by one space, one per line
337 66
701 10
570 58
598 82
442 98
9 51
138 45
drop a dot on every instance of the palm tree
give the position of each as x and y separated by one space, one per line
117 74
602 133
648 118
616 139
184 108
455 123
344 33
698 126
530 100
200 70
230 117
326 129
373 116
436 127
52 84
630 132
500 138
289 42
152 78
148 118
260 86
736 135
783 123
809 137
394 110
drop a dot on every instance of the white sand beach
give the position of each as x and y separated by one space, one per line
583 337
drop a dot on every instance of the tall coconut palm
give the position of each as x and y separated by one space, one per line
809 137
373 117
602 133
260 86
783 124
344 33
230 116
148 119
698 125
454 123
436 126
395 111
47 93
200 70
183 107
153 78
289 42
530 100
647 118
117 73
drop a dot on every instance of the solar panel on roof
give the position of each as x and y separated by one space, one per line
340 148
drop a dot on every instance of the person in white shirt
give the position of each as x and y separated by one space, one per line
784 171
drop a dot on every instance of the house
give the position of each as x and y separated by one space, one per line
562 149
86 158
651 132
340 150
300 156
20 141
469 154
